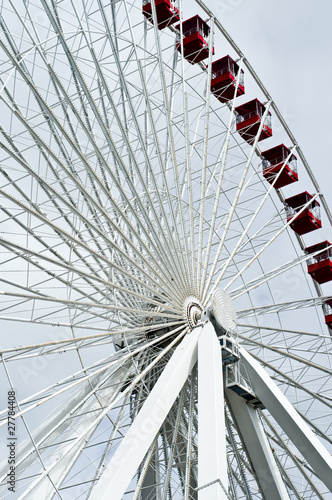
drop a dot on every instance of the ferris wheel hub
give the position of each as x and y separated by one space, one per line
192 310
222 312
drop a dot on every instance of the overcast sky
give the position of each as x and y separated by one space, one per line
289 43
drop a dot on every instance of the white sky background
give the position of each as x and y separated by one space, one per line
289 44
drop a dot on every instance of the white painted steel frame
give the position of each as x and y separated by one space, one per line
130 260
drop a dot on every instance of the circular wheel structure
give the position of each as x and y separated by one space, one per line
158 325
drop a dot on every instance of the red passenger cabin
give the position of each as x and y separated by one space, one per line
309 219
195 39
320 265
328 312
166 11
223 82
274 160
248 120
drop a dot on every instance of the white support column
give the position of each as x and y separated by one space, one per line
288 419
212 459
126 459
257 447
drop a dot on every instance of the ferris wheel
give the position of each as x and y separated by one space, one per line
166 309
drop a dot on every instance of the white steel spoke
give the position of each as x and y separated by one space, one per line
170 130
188 155
156 141
63 265
272 274
96 112
276 329
151 204
284 306
54 323
50 189
88 306
87 377
44 146
36 349
305 206
223 157
252 220
233 207
205 158
289 355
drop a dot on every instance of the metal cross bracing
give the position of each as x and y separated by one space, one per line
127 200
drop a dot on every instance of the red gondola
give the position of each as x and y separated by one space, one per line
223 82
320 265
248 120
195 39
309 219
273 162
328 312
166 11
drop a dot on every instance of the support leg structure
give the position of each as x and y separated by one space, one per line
257 447
288 419
212 459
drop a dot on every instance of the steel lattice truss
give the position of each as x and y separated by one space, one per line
126 197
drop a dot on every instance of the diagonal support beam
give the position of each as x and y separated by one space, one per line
257 447
288 419
127 458
212 458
